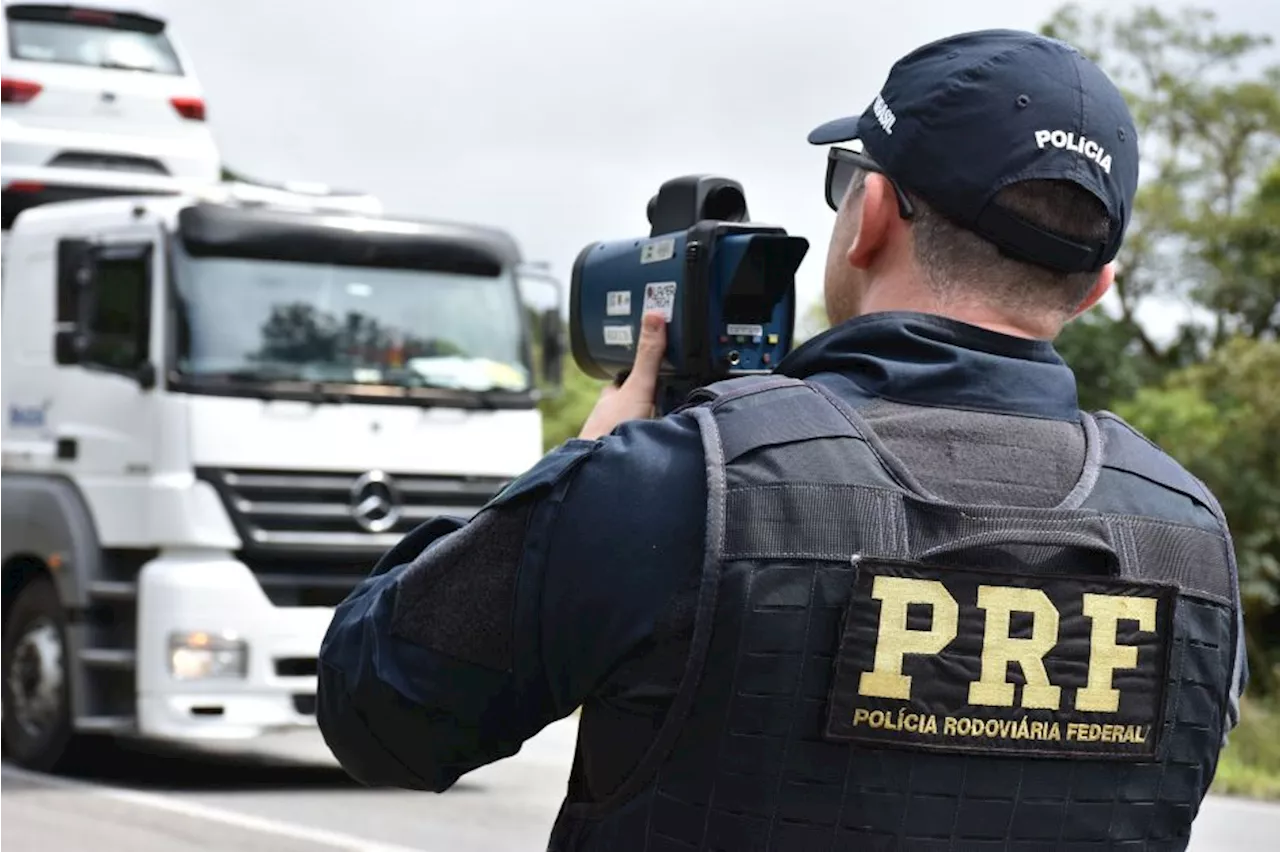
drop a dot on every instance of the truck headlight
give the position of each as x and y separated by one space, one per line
198 654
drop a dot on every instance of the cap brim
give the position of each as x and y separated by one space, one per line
839 130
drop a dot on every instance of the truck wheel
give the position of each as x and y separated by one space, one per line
37 700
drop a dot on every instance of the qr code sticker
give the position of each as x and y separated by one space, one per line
660 296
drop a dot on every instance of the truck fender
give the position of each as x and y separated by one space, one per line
46 516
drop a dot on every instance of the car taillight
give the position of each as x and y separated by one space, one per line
18 91
192 108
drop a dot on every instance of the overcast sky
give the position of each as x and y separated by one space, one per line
558 119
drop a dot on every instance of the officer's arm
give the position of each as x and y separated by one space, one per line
426 670
474 637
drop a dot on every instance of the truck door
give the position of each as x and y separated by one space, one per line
107 409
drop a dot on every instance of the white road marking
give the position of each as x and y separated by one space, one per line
333 839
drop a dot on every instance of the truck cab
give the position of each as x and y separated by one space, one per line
217 417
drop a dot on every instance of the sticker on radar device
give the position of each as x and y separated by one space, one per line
617 335
658 251
660 296
618 303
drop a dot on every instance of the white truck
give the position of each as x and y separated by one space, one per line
217 416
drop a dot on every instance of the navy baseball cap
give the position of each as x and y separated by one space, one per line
961 118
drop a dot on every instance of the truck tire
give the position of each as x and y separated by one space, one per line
36 682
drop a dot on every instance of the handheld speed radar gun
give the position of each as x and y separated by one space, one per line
727 288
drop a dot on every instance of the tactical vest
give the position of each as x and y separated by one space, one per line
873 668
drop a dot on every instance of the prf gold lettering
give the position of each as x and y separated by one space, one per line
1105 656
895 640
999 648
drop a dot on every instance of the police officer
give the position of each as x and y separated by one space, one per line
901 594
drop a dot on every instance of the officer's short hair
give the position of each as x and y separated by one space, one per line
957 262
952 257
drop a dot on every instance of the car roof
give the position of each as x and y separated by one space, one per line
152 14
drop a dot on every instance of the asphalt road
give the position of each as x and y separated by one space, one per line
289 795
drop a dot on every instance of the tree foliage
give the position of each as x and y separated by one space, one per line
1221 418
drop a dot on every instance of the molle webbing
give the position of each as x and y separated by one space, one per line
829 521
798 484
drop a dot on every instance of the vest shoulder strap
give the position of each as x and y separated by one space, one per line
738 386
1128 450
754 412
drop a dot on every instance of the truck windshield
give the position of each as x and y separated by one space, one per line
266 320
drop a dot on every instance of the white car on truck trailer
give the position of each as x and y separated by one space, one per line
217 417
98 101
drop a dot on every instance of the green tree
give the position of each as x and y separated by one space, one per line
1220 418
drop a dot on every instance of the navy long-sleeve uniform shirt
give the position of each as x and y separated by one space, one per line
470 637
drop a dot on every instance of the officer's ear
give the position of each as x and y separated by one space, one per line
1106 277
875 215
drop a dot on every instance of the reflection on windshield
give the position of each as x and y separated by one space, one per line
257 320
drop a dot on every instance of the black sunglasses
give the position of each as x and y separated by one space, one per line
843 164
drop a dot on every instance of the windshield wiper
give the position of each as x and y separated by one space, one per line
266 383
263 383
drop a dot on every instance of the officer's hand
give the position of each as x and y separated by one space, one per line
633 400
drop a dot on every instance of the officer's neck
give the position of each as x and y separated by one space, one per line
905 293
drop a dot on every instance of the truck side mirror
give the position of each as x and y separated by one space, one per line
553 348
542 294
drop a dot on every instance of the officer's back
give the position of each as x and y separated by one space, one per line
902 594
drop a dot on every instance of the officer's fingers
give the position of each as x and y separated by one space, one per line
649 351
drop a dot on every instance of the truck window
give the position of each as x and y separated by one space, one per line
119 314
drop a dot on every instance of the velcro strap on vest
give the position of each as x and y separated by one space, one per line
1126 450
799 414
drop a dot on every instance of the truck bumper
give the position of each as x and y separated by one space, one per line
265 680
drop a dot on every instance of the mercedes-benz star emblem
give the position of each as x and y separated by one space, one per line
375 502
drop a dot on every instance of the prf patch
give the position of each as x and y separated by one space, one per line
955 659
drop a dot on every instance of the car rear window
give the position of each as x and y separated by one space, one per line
100 40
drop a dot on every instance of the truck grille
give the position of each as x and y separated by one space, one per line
310 537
